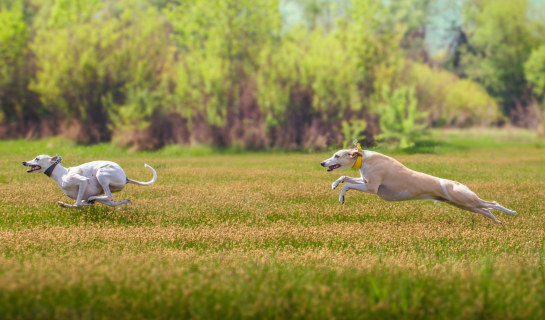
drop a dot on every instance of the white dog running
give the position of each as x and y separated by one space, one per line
392 181
86 183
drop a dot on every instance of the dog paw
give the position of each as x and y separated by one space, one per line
84 204
334 185
64 205
341 199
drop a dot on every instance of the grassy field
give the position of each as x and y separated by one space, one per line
262 235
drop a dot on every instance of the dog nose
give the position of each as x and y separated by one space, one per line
24 163
322 163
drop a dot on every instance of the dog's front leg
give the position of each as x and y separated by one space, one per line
365 187
82 182
346 179
66 205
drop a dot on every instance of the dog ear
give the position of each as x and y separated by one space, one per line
54 158
355 154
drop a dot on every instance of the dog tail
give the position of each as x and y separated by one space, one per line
145 183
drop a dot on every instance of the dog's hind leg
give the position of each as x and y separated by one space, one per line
466 198
482 211
104 182
497 206
114 203
485 213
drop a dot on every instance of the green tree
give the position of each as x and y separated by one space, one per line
400 121
229 72
14 70
353 130
500 37
219 44
102 65
534 70
451 101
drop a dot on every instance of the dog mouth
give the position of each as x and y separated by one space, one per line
333 167
33 168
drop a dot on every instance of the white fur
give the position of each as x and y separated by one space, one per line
444 186
89 182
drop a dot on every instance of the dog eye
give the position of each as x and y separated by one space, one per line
336 156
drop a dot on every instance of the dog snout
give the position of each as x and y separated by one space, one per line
24 163
323 163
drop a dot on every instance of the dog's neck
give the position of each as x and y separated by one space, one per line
52 167
365 154
58 173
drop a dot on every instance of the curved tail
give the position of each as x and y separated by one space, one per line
145 183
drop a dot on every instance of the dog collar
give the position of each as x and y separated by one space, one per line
357 165
49 170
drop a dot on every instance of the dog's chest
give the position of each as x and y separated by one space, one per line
364 171
71 185
71 191
389 194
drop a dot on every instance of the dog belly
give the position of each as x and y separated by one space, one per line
389 194
91 190
116 188
97 190
72 194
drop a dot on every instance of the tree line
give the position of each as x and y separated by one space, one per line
145 73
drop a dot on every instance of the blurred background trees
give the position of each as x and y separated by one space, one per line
267 74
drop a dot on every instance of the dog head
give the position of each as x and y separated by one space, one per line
40 163
343 159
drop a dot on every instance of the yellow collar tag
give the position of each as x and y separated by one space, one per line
357 165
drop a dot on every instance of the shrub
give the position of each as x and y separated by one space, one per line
14 35
400 121
102 66
450 100
353 129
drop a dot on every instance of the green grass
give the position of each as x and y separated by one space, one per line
229 234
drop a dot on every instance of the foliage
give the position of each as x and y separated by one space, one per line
400 119
497 39
14 35
219 45
353 130
104 68
300 64
146 73
450 100
534 70
413 16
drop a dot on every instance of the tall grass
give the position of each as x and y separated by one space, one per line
263 236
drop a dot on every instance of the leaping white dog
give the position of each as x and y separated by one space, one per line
392 181
86 183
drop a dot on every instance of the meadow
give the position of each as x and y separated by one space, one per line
229 235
